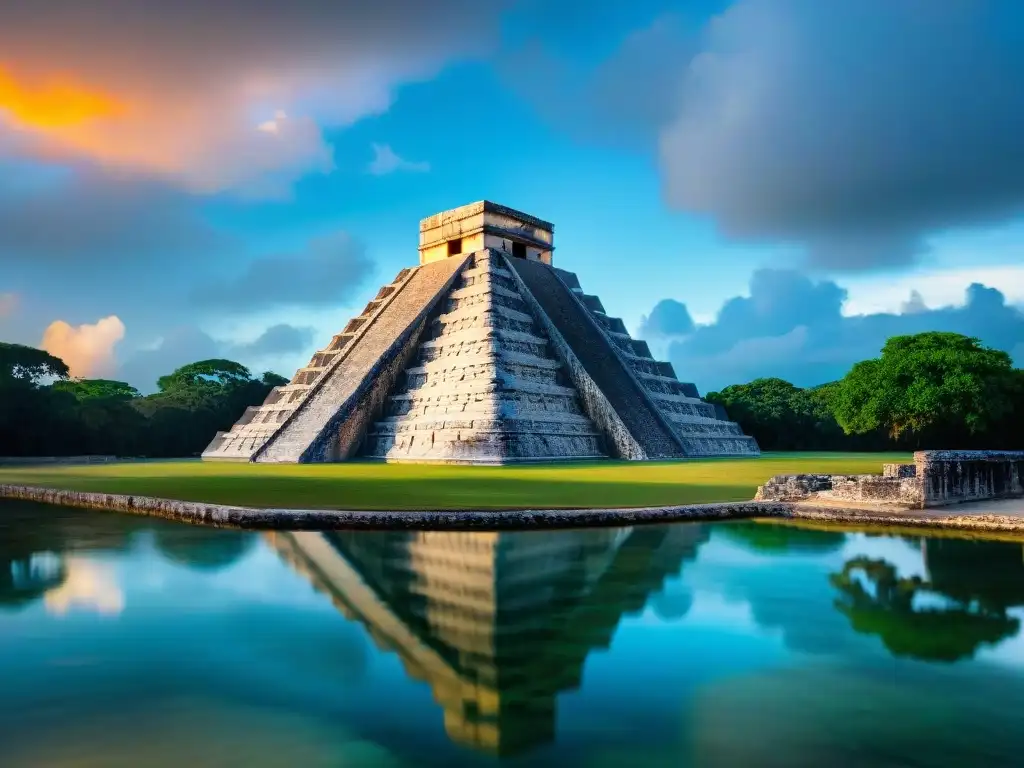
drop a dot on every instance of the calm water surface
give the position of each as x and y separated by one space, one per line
131 642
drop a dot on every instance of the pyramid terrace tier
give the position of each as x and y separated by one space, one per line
486 441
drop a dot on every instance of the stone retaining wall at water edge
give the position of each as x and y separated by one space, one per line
221 515
321 519
935 479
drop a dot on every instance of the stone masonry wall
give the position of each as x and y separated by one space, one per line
936 478
951 477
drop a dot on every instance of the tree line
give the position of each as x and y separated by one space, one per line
44 412
929 390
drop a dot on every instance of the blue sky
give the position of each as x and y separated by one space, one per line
807 178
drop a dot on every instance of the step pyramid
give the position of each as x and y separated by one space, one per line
483 354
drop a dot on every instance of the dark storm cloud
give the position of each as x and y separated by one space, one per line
205 39
330 270
83 221
792 327
624 100
852 128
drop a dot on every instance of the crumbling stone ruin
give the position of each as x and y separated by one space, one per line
483 354
935 479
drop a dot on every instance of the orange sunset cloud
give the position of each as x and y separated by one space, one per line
57 102
231 96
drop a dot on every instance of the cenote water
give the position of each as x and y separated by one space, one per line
134 642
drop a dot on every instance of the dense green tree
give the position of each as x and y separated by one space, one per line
21 365
97 389
271 379
927 389
781 416
32 414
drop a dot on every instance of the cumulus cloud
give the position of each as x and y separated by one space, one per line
218 95
89 586
385 161
330 270
668 318
793 327
88 349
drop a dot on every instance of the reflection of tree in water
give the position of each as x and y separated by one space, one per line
673 603
877 601
988 572
204 549
770 538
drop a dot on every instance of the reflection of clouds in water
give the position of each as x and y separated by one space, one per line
89 585
1011 650
717 611
263 576
906 557
39 567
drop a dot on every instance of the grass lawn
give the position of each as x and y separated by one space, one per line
358 485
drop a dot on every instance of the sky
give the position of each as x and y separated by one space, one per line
757 187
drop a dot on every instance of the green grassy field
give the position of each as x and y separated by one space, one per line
358 485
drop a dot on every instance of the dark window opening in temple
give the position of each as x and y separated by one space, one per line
519 250
455 246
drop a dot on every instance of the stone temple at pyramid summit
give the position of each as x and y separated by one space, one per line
485 353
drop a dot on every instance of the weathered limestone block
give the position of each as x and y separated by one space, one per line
899 470
873 489
792 487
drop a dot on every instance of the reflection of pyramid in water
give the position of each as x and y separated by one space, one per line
485 354
497 623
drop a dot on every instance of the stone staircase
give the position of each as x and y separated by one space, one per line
259 423
483 387
703 428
